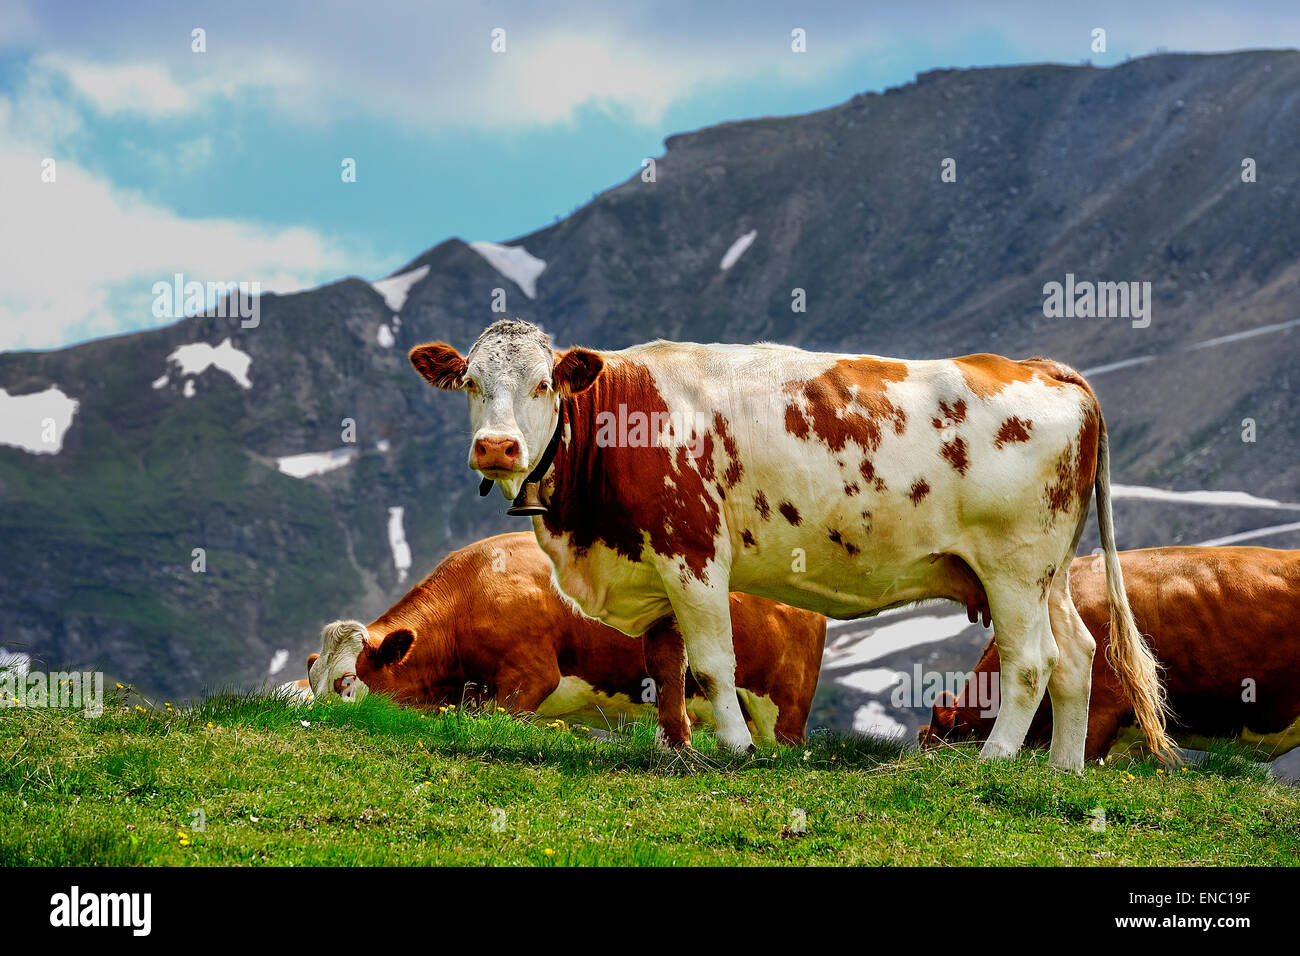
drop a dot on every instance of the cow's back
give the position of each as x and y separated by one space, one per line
1222 622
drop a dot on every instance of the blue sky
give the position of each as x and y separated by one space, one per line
225 165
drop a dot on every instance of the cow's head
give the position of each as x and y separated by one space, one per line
943 720
350 666
955 719
515 382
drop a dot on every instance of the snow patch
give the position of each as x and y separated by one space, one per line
875 643
396 288
188 390
872 718
513 262
316 462
1251 535
397 543
1223 499
873 680
278 660
738 249
197 357
383 445
36 422
385 337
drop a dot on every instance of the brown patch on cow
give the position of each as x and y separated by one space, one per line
953 414
848 546
987 375
795 423
1075 469
789 512
852 489
761 506
747 536
1057 373
954 452
847 404
920 488
731 475
1045 582
629 496
1012 430
868 471
1086 468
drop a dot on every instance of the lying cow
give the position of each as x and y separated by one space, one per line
1221 621
664 476
489 616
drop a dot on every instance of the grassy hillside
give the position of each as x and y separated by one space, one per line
378 784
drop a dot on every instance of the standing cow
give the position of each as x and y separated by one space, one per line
488 616
1223 625
665 475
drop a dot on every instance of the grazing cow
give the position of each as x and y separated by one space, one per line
1222 622
663 476
490 616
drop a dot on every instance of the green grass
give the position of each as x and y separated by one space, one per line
375 783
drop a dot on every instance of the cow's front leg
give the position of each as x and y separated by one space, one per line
704 619
665 661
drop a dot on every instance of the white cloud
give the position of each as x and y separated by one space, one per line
555 64
430 66
121 88
81 255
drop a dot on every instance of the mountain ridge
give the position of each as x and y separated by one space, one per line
1126 173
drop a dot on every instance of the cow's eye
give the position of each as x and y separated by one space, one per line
471 385
542 388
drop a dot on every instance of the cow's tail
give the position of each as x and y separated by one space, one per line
1127 651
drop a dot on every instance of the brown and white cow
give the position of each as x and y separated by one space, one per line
489 616
673 473
1222 622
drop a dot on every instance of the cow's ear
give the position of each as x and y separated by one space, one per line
440 364
392 650
577 370
311 659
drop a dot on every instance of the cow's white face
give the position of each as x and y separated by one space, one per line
514 382
334 671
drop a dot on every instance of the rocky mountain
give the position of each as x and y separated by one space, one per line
1130 174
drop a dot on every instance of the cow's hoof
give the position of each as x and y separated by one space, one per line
996 751
665 742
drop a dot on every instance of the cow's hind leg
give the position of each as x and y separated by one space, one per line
704 619
1071 680
1028 654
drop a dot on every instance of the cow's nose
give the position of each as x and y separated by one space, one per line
494 453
